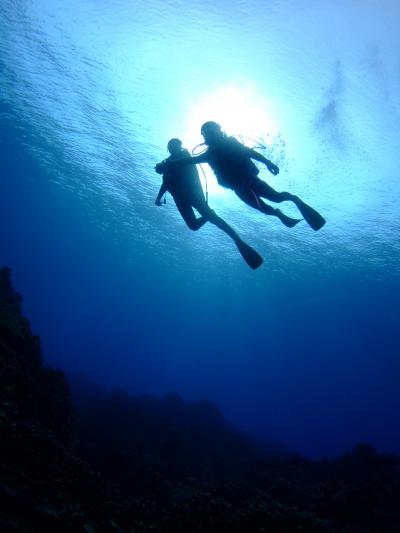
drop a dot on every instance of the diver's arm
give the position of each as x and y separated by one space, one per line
182 161
162 167
274 169
161 192
197 159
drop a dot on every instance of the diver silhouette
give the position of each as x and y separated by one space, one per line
231 162
183 183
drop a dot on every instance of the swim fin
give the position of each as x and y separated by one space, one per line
252 258
312 217
288 221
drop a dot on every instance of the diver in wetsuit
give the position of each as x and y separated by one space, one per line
183 182
232 164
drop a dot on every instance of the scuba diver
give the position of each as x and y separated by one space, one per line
183 183
231 162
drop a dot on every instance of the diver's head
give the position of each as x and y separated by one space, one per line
211 132
174 146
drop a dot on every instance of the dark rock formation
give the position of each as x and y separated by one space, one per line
43 486
140 464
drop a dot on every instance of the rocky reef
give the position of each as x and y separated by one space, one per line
95 461
44 486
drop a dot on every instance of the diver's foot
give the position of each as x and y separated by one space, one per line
311 216
288 221
317 222
252 258
199 223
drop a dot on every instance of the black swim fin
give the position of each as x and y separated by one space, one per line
252 258
312 217
288 221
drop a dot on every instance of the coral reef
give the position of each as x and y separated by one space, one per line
95 461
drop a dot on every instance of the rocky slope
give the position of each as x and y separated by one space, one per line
114 462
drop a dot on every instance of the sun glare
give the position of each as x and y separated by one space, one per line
241 112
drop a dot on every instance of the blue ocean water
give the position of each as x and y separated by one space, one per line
303 351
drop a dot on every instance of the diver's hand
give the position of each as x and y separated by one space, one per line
274 169
158 202
160 168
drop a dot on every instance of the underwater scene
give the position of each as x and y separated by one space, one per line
199 265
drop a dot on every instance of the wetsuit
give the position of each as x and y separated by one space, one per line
183 182
234 169
230 161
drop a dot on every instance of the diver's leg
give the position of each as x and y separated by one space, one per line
187 213
204 209
264 190
311 216
251 198
252 258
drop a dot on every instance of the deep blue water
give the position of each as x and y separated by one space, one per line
303 351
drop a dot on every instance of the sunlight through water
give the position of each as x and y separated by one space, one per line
240 111
92 90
